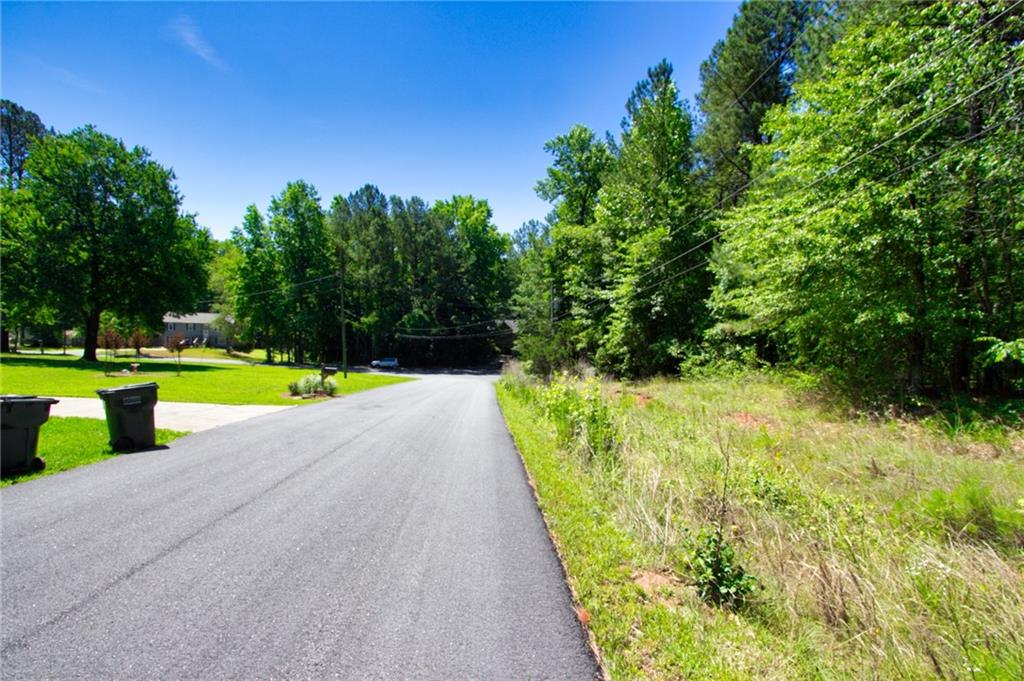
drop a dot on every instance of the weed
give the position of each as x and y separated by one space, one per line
719 577
581 417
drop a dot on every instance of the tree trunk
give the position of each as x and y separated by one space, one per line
917 342
92 331
5 340
963 351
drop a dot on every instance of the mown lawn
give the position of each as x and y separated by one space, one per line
208 383
71 442
881 547
258 356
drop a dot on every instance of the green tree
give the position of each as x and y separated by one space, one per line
19 304
541 340
581 162
23 301
258 296
363 227
884 239
109 234
307 265
752 69
19 128
482 252
225 284
649 212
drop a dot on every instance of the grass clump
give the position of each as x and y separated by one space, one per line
311 384
69 442
969 513
581 417
883 546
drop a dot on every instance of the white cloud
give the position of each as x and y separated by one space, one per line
188 34
69 78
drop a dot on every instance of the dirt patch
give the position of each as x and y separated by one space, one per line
654 583
748 420
642 399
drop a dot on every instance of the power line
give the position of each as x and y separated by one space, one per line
277 289
833 202
900 77
830 173
721 202
456 337
449 328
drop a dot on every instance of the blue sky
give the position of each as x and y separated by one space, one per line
419 99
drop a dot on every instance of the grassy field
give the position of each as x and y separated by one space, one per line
732 528
209 383
70 442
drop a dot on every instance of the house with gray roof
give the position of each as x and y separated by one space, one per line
197 329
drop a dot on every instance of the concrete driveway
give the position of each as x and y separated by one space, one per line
186 416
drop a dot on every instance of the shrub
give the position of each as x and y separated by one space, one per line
310 385
720 579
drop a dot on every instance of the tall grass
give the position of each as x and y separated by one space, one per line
881 547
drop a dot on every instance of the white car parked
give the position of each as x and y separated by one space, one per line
385 363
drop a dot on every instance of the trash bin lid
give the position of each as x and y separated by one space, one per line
21 399
127 388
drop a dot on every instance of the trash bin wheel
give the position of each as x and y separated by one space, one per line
37 464
123 444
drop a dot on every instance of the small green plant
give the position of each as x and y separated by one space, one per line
294 389
720 579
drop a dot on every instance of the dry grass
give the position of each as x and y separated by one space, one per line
884 548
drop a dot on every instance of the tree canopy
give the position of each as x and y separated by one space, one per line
104 233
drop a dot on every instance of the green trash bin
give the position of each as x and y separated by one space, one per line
20 419
129 410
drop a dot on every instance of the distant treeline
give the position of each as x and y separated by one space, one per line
429 284
847 197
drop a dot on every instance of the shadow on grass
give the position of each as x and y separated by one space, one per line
983 417
147 367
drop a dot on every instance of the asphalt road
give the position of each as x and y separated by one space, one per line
389 534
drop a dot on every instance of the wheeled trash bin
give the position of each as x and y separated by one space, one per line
129 410
20 419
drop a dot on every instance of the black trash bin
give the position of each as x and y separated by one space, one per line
20 419
129 410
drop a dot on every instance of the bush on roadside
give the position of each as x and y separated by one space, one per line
310 385
719 577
